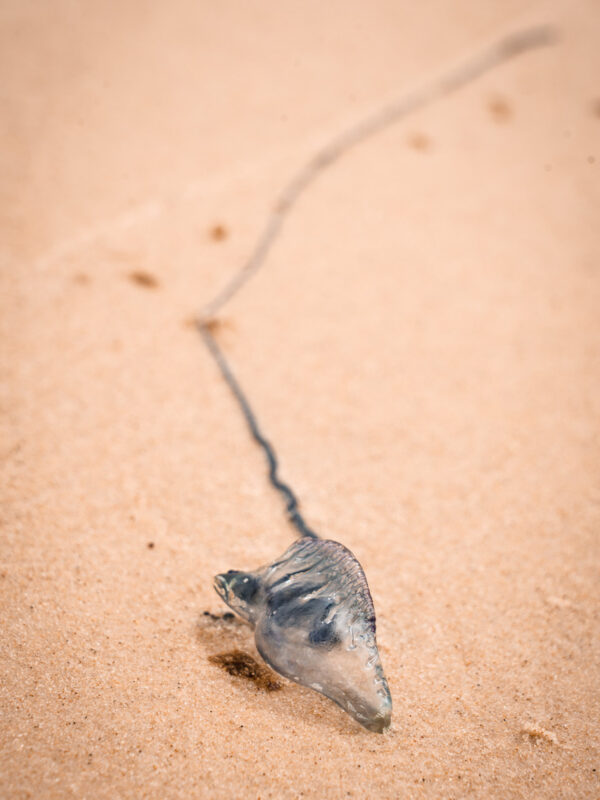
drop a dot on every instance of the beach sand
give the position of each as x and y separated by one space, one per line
421 345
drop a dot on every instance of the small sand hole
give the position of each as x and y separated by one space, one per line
218 233
419 141
500 109
243 665
215 325
143 279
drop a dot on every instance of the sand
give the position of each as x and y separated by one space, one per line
422 345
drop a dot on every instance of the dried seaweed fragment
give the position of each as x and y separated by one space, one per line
243 665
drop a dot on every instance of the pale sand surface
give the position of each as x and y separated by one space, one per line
422 346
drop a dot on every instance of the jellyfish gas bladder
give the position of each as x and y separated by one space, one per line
314 623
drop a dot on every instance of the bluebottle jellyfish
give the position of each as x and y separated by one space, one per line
311 609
